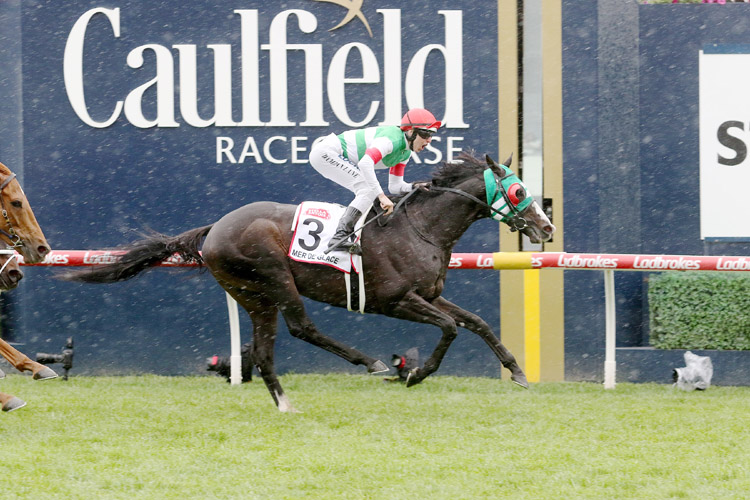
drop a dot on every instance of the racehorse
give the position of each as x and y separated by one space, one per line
405 262
20 231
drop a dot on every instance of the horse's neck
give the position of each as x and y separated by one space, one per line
443 219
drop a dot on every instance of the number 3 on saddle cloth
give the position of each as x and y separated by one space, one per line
313 226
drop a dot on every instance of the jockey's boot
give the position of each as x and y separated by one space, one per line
346 226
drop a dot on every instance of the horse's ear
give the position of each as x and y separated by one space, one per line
494 166
508 161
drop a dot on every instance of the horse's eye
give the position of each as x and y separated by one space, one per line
516 193
16 203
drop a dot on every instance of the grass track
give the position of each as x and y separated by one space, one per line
184 438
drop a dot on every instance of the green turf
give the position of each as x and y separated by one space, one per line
358 438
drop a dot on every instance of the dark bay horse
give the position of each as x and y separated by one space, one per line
405 264
20 231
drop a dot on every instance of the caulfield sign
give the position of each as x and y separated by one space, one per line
167 115
173 74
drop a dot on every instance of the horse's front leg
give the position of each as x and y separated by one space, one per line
412 307
475 324
10 403
23 363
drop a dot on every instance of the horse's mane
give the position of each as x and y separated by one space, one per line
450 174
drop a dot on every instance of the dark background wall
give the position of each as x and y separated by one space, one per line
631 146
94 188
630 102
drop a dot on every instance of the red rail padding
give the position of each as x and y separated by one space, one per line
564 260
496 260
94 257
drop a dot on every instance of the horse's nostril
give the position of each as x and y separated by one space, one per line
43 250
15 275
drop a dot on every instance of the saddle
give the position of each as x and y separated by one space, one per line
313 226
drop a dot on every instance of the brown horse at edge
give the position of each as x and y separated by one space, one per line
20 231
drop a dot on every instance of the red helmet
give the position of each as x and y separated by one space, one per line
419 118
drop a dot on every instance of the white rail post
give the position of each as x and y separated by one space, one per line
609 350
235 358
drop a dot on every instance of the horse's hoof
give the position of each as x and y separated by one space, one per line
377 367
45 373
520 380
284 405
413 378
14 403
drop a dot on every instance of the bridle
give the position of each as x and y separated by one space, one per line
7 251
514 219
495 191
13 237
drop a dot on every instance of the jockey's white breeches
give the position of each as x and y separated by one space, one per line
327 158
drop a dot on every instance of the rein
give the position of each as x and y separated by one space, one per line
515 221
15 240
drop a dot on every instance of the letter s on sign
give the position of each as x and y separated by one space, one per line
731 142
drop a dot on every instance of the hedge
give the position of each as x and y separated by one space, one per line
699 311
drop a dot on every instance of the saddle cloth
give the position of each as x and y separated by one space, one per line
313 226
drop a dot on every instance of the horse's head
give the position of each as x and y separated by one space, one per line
18 226
513 204
10 272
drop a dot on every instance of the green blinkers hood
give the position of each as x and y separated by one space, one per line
503 205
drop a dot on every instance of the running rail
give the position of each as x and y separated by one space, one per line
622 262
607 263
496 260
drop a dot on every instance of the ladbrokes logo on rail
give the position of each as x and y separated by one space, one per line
258 43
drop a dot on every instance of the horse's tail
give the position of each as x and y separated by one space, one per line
144 254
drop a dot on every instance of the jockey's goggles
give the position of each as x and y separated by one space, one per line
424 133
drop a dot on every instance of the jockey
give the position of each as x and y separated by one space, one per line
350 159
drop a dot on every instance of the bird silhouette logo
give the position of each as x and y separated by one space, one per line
354 9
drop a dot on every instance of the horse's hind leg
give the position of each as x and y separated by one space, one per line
263 314
264 339
475 324
10 403
23 363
